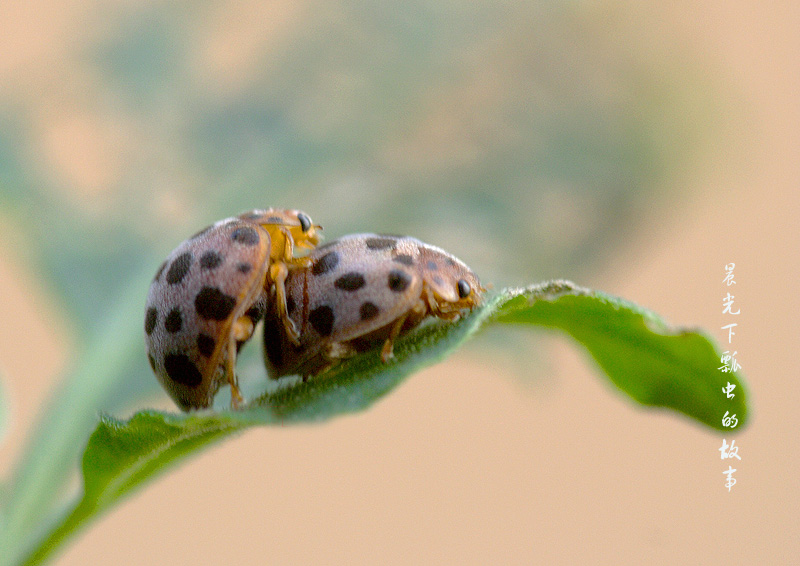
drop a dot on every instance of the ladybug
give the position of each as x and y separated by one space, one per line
209 294
360 292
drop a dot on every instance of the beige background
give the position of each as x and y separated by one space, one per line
462 465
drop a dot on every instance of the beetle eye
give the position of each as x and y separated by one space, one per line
463 288
305 222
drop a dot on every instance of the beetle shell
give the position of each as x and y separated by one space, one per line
207 297
360 291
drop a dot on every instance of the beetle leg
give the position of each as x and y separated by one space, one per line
242 329
333 353
304 261
230 372
288 244
278 272
387 352
339 350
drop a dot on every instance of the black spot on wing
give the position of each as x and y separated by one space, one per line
398 281
180 369
322 318
213 304
150 319
381 243
368 311
179 268
251 216
206 344
326 263
210 260
246 235
174 321
351 281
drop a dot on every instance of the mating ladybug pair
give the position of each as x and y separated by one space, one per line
350 295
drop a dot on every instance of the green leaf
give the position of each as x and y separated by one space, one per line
121 456
646 359
640 353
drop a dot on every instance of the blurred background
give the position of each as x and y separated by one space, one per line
632 148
